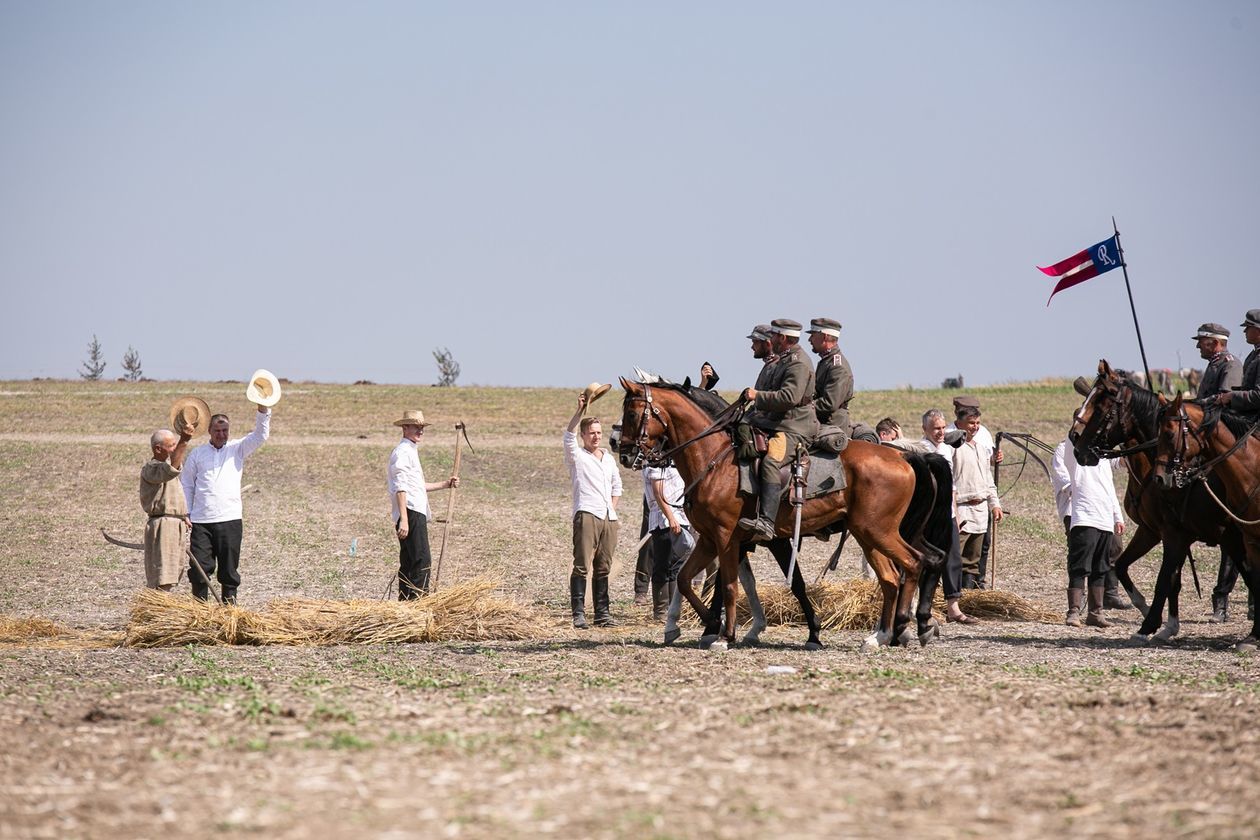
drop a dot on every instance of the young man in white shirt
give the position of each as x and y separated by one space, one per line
1088 494
212 487
672 537
409 498
985 442
596 490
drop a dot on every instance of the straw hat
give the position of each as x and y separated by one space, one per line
263 388
1081 386
191 414
412 417
594 391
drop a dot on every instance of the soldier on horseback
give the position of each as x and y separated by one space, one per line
1245 399
783 409
833 385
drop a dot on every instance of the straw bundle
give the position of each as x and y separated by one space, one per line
855 605
463 612
19 629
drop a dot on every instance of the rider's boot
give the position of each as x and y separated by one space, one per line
762 527
1220 609
599 593
577 600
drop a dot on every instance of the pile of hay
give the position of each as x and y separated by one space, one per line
21 630
855 605
463 612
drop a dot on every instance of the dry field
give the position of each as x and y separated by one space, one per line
1004 729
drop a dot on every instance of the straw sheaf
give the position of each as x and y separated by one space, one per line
463 612
855 605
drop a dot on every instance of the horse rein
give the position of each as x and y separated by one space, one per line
720 423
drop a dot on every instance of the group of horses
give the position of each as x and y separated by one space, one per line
1194 475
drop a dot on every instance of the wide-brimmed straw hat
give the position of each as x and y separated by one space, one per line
191 414
263 388
412 417
1081 386
594 391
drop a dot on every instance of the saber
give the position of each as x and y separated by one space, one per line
798 502
450 502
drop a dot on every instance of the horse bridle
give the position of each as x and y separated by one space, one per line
1175 465
1109 417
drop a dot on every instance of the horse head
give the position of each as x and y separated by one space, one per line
1095 425
644 425
1178 441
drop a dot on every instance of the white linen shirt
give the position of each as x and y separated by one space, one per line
1061 481
406 474
212 477
1093 492
673 492
596 481
973 480
983 439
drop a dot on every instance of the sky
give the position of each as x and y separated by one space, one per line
557 192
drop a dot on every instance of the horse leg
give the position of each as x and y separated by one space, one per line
746 580
928 581
889 580
728 567
903 632
1143 540
1174 555
698 560
782 551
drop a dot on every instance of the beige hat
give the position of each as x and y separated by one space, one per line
1081 386
594 391
191 414
412 417
263 388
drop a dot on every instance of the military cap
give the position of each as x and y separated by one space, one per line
1211 331
966 401
1253 318
761 332
826 326
786 326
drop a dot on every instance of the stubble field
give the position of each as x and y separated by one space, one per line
1002 729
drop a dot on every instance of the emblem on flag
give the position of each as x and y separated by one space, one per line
1094 260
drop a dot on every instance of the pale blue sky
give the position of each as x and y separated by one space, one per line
559 191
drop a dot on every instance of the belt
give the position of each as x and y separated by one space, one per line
168 515
973 502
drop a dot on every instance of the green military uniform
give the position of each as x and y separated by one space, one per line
833 390
1224 372
784 409
1247 398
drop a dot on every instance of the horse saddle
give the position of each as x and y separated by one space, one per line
824 473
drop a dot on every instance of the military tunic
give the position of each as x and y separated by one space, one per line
833 390
162 498
1224 373
785 407
1247 400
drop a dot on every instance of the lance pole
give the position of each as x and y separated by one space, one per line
1124 266
461 434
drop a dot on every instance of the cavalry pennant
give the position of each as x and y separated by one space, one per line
1094 260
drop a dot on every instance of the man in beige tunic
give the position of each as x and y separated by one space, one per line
162 498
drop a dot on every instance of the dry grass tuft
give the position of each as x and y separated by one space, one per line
19 629
464 612
855 604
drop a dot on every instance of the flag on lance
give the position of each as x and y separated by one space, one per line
1094 260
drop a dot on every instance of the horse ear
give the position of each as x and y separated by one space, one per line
627 384
686 384
1176 403
1104 369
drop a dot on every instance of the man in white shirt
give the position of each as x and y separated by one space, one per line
1087 496
975 495
212 487
596 491
409 500
985 442
673 539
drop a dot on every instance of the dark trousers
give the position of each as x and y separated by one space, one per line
1226 577
216 545
949 576
1089 556
982 580
414 558
643 568
669 552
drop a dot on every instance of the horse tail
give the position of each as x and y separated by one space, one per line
929 517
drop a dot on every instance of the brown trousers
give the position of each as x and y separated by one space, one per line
593 542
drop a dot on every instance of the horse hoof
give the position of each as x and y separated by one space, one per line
1247 645
925 638
813 646
906 637
1166 633
870 644
707 642
1138 639
751 639
720 646
671 636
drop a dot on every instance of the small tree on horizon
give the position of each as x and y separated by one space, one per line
131 364
448 368
95 364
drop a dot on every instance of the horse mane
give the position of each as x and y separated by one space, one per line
710 402
1145 406
1238 424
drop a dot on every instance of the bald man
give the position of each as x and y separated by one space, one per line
162 498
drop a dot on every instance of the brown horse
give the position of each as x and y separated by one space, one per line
1195 443
880 487
1117 413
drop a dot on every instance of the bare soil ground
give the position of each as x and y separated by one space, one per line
1003 729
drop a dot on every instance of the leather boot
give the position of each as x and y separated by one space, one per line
1113 596
599 592
762 527
577 599
229 597
1220 609
1096 617
968 580
1074 596
660 600
200 591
